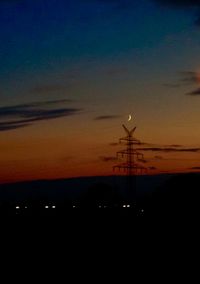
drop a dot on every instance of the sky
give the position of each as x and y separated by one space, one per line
73 70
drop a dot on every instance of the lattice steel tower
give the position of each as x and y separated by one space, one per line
132 166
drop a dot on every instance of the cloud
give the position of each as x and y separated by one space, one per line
114 144
194 93
194 168
25 110
108 159
152 168
18 116
189 77
107 117
168 150
5 127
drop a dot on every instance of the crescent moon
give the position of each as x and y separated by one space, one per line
129 117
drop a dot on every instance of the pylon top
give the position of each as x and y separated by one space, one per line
129 132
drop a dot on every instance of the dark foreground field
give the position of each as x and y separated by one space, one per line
156 196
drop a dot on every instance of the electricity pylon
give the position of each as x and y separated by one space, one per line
132 166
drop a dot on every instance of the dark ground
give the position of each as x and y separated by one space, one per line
157 196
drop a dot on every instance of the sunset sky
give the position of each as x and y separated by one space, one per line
71 71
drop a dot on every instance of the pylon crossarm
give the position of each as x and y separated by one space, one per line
131 152
131 143
128 166
130 140
129 132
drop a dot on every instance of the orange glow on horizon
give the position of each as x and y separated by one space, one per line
49 153
30 173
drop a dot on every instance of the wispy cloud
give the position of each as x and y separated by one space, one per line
152 168
7 127
185 78
25 110
18 116
194 93
108 159
114 144
151 145
189 77
107 117
170 149
194 168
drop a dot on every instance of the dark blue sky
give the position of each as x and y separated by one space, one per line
38 35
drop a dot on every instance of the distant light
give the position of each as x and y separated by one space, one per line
100 206
124 206
46 207
142 210
128 206
26 207
53 206
74 206
17 207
